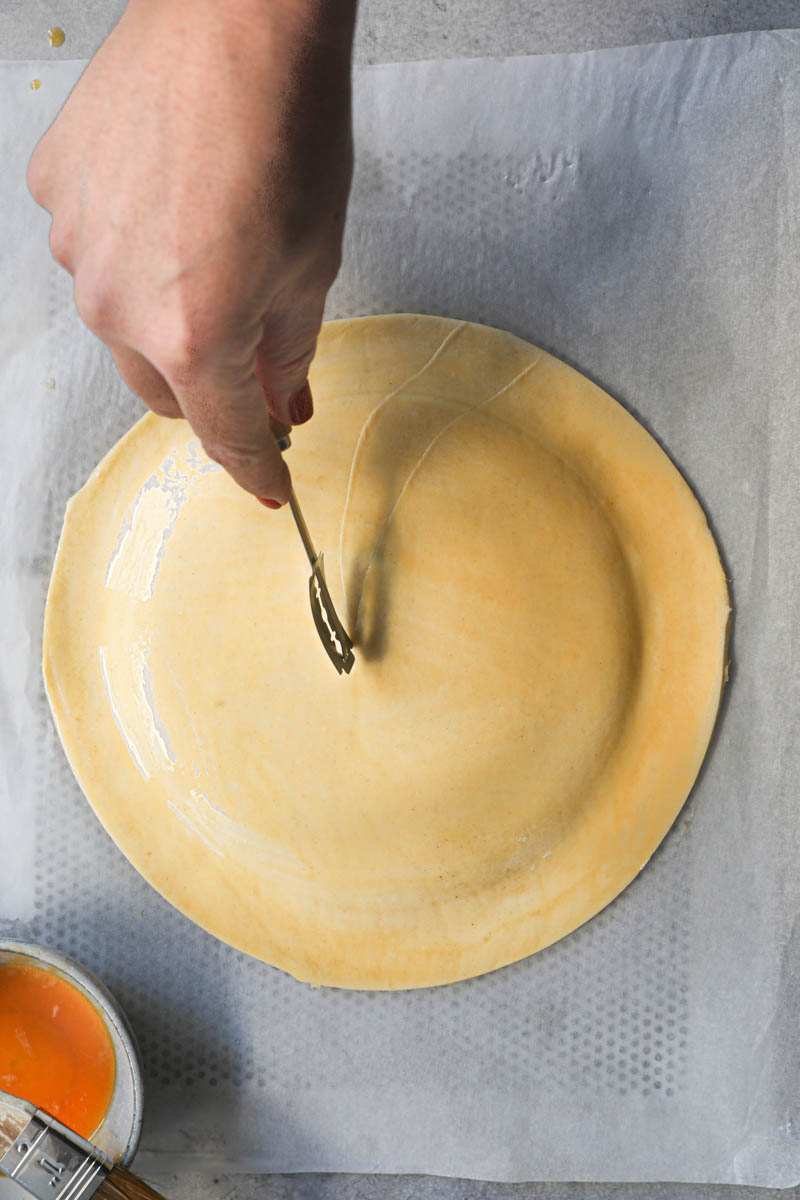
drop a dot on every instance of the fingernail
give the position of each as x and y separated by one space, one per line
269 503
301 405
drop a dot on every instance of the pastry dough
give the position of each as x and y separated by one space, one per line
540 620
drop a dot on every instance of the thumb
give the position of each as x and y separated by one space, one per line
283 357
232 422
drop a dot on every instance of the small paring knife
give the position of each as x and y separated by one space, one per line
332 633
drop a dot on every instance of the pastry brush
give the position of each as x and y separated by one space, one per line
53 1163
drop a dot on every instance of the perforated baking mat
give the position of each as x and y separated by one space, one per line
634 212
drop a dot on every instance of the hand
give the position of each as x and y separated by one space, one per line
198 177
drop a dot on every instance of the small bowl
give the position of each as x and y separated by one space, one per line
118 1134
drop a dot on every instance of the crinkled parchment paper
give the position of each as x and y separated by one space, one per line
635 212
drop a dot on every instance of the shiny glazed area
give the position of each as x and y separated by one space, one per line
539 615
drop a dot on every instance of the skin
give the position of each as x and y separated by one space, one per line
197 178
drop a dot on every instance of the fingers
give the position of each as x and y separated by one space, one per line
38 175
279 430
301 405
145 381
283 357
232 422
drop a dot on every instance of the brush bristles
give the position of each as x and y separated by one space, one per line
121 1185
13 1119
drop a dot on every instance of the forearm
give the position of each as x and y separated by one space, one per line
203 223
328 22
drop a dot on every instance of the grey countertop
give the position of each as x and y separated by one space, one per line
427 1187
389 31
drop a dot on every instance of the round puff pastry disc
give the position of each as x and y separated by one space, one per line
539 614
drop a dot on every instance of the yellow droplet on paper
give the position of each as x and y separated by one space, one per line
49 384
56 36
36 84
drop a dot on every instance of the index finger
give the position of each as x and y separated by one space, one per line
233 424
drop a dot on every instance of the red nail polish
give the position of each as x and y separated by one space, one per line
301 405
269 503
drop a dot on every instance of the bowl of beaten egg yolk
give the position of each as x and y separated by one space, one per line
66 1046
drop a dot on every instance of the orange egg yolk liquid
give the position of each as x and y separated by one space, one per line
55 1050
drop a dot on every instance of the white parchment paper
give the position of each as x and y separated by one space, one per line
635 212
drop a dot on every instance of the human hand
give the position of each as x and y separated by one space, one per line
198 177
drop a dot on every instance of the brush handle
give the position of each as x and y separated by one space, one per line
19 1119
121 1185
